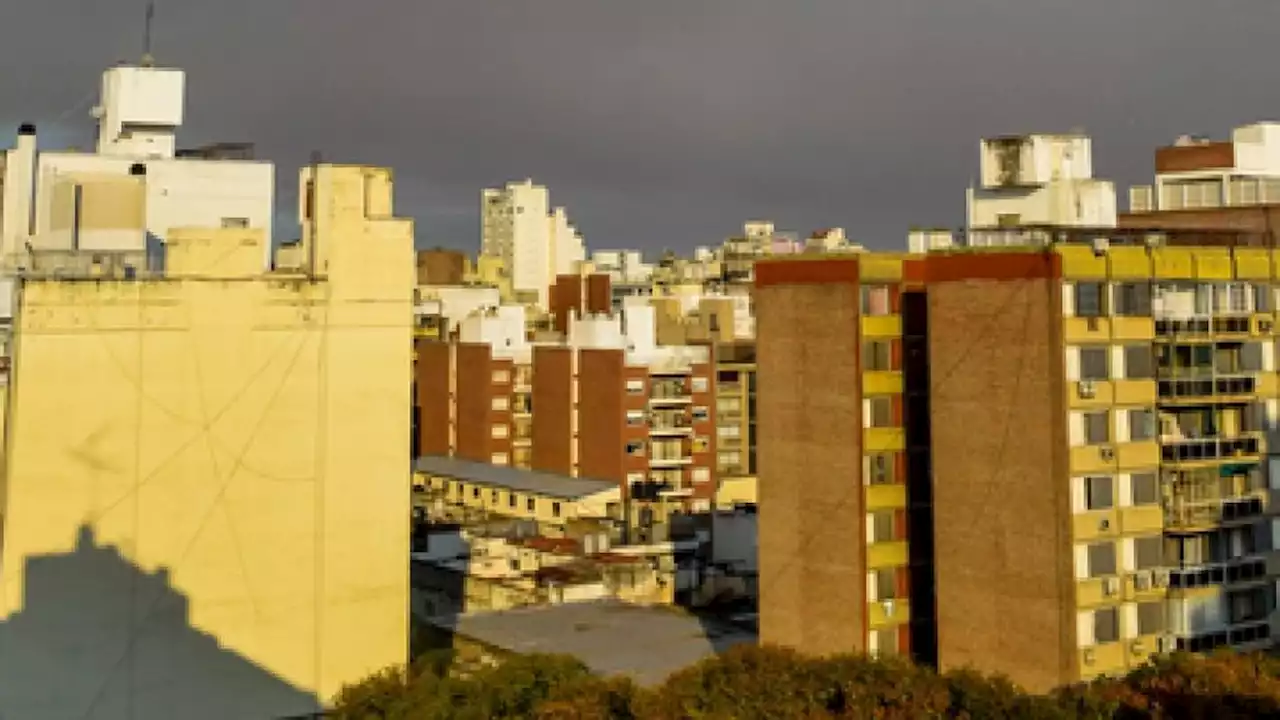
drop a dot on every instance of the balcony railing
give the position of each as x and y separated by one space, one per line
1201 449
1207 387
1236 571
1244 634
1189 515
1221 325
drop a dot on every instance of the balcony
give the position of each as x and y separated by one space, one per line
1203 326
1242 637
1183 450
669 394
669 460
664 427
1190 516
1206 388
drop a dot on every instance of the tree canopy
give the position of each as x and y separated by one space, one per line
755 683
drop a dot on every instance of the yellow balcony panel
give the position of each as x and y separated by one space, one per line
1173 263
1133 328
889 326
1253 264
1137 455
1129 263
1204 592
878 382
1108 659
1267 385
1089 459
888 612
1083 330
879 267
1080 262
883 439
886 497
1090 394
883 555
1134 392
1095 524
1141 520
1144 590
1092 593
1213 263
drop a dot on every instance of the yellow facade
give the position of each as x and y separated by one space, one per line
1209 393
248 434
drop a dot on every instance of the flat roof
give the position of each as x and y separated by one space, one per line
530 481
646 644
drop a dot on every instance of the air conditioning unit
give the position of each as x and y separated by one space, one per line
1087 389
1107 453
1110 587
1142 581
1264 326
1167 644
1104 524
1160 578
888 607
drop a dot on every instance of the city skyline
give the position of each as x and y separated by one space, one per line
663 126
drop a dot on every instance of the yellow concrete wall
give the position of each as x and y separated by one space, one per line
251 436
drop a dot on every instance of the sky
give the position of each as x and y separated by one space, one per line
664 123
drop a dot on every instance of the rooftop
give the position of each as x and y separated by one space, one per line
510 478
612 638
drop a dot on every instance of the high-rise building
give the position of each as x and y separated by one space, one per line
835 564
533 241
234 434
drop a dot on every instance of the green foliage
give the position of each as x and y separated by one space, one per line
758 683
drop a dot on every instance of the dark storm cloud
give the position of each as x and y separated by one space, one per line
667 122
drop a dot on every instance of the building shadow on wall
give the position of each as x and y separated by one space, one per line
100 639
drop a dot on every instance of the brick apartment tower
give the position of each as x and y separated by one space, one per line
834 557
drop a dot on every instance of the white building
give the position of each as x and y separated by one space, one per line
1196 173
71 200
534 242
1038 180
622 266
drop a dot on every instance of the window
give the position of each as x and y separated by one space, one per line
1106 625
635 418
700 384
700 444
700 413
1102 559
499 458
729 459
701 474
475 493
635 447
876 355
1099 493
1133 299
1151 618
875 300
1148 552
1089 299
1093 363
1139 362
880 469
885 584
1250 357
235 222
493 496
1143 489
729 406
881 411
635 387
1097 427
1142 424
501 402
499 431
512 499
501 376
882 529
1262 298
729 432
555 509
885 641
531 504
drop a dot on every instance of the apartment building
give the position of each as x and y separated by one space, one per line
530 240
602 403
1095 417
834 561
736 425
225 436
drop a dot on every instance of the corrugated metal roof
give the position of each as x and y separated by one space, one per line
530 481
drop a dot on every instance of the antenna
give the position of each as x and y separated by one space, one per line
147 59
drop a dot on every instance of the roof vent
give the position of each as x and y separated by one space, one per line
27 129
137 169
